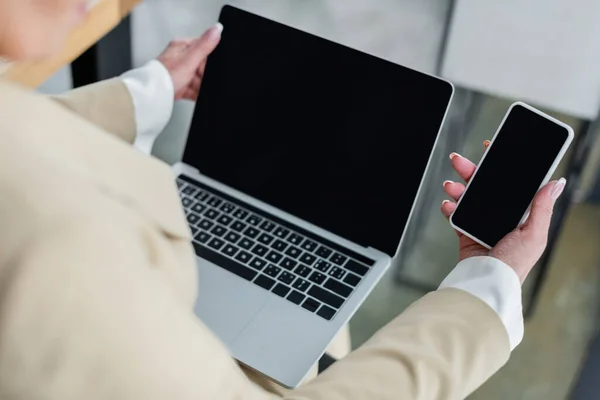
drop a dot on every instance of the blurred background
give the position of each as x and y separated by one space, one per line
545 52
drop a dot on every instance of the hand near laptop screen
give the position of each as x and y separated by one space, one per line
185 59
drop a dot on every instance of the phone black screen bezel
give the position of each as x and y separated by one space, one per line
556 137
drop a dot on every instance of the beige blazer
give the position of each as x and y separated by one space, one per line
98 279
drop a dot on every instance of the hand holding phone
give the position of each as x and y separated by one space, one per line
492 210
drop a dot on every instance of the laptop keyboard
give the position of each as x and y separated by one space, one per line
310 272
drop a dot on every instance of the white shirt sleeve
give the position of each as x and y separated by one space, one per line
496 284
152 91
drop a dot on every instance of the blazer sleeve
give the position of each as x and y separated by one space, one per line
87 316
107 104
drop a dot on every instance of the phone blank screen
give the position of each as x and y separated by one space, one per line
510 175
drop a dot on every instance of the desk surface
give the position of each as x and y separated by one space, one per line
103 17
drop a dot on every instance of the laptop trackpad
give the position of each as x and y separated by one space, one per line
226 303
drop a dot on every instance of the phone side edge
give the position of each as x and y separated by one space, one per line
467 234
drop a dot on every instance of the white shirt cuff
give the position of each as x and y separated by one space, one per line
497 285
153 94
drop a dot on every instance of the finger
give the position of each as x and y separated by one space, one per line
454 189
189 94
204 45
540 216
195 85
486 143
201 68
448 208
462 166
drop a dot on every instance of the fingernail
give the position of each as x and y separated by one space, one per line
215 30
446 182
452 155
558 188
444 202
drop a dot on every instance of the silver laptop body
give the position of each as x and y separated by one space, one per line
273 287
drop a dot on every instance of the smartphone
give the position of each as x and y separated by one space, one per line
521 158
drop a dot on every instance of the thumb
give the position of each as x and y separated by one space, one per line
204 45
542 206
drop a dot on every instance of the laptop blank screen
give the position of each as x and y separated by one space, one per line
332 135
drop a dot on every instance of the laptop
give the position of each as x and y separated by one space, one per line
302 165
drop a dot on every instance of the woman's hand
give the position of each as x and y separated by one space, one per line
521 248
185 59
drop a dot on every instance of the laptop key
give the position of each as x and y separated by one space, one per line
267 226
260 250
216 243
274 257
286 277
224 262
351 279
272 270
202 196
288 263
296 297
180 183
232 237
188 190
257 263
211 213
311 304
281 290
227 208
193 218
194 230
308 259
325 296
240 214
279 245
230 250
337 287
206 224
251 232
293 252
238 226
338 259
303 270
309 245
215 201
323 252
202 237
300 284
266 239
243 256
281 232
356 267
198 208
264 282
254 220
224 219
337 272
246 243
317 277
218 230
326 312
186 202
322 265
295 239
